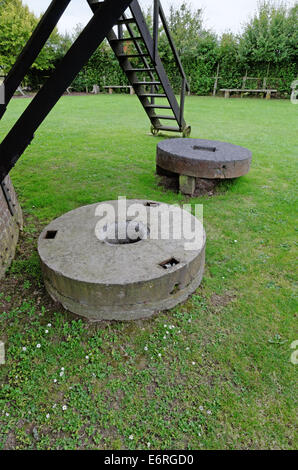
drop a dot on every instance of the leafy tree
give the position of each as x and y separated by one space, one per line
271 36
186 26
16 26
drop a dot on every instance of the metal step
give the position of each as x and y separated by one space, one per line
127 21
157 106
170 118
146 83
130 56
141 70
135 38
152 95
168 128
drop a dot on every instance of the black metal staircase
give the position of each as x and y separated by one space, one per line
144 69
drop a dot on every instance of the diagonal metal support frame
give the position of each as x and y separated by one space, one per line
33 47
86 44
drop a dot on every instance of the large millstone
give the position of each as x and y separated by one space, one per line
101 277
11 222
193 159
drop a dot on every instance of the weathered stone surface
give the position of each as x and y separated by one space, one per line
99 280
203 158
9 227
2 353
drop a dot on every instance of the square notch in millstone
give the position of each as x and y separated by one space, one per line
151 204
170 263
206 148
51 234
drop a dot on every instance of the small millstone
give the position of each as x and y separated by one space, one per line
200 164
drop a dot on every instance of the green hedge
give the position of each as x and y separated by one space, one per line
200 67
266 47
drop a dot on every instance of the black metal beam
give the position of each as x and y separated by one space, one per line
33 47
22 133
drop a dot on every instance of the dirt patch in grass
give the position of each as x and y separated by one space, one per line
10 443
221 301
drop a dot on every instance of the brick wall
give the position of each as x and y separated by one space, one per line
9 227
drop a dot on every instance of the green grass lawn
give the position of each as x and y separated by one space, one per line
224 379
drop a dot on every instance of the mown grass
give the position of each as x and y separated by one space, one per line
224 378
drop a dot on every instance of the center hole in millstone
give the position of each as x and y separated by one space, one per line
125 233
205 148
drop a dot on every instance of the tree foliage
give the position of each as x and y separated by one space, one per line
271 36
268 45
16 26
186 26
